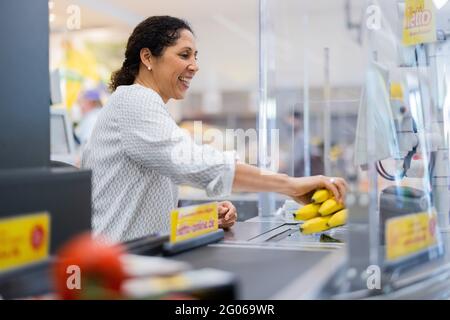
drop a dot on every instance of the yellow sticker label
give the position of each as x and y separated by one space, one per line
177 282
419 22
410 234
24 239
190 222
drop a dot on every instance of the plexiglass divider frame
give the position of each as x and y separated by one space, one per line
398 162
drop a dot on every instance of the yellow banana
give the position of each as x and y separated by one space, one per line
330 206
338 219
307 212
314 225
321 195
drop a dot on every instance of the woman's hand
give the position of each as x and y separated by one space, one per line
227 214
302 189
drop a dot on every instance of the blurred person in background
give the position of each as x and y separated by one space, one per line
90 105
137 151
294 160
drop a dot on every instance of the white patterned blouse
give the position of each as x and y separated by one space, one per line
138 155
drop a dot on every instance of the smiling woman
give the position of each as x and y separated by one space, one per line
132 150
147 45
170 74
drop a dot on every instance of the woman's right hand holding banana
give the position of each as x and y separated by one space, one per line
301 189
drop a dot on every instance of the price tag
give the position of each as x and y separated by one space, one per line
410 234
24 239
419 22
190 222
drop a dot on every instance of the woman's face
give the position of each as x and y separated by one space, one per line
174 70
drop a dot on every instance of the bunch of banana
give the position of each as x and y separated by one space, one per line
322 214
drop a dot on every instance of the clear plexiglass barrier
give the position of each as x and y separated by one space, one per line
359 89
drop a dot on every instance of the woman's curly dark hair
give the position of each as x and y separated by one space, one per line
155 33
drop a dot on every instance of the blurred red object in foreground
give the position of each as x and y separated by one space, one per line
86 268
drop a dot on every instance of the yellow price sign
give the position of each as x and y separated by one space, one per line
24 239
410 234
190 222
419 23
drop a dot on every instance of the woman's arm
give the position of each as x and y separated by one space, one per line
252 179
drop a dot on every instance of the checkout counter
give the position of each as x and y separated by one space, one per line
273 260
268 258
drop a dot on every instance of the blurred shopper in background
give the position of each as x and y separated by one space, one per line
294 155
90 105
139 155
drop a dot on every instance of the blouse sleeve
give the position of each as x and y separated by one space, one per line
151 138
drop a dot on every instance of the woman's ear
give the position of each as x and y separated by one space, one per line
146 58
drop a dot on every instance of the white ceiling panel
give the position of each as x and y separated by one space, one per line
227 35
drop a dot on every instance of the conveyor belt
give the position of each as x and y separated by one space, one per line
262 272
245 231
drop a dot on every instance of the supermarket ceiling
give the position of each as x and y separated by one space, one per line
227 35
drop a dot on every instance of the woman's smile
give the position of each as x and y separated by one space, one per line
185 81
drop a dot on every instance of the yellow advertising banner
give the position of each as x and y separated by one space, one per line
190 222
24 239
410 234
419 22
